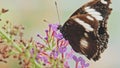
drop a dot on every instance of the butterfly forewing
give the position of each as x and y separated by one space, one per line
86 29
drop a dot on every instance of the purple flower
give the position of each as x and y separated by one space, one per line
32 51
81 60
46 31
83 66
54 27
46 38
62 49
66 65
38 35
69 55
43 58
56 33
54 53
75 58
59 36
50 25
86 65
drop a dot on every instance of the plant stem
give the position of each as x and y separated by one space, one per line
76 66
4 35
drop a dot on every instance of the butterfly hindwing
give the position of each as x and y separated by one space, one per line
81 36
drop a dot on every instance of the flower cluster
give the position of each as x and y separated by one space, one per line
52 51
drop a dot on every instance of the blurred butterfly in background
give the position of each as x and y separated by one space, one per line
86 29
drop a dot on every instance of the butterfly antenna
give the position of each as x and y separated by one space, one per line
57 12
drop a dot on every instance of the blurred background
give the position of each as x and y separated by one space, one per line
31 14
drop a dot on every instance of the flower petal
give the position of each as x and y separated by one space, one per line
75 58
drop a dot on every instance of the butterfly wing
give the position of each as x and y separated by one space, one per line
81 36
86 29
98 5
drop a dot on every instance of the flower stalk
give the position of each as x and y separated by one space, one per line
52 51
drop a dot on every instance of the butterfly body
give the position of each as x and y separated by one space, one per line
86 29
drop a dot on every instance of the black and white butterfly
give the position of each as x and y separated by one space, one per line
86 29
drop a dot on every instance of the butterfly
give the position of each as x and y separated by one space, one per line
86 29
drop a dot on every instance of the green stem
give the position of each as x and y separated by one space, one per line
4 35
37 65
